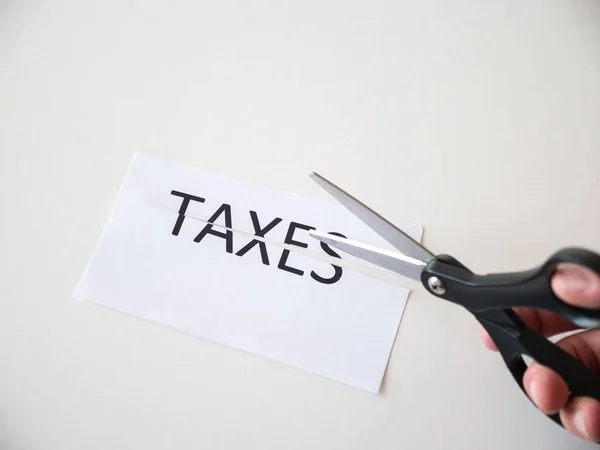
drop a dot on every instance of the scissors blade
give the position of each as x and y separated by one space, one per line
395 262
400 240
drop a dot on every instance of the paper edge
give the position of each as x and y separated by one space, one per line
76 292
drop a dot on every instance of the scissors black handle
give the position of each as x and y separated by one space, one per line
491 299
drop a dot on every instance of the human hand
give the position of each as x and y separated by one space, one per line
580 416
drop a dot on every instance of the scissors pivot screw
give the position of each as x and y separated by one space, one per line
436 285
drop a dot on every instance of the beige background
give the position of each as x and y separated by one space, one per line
478 120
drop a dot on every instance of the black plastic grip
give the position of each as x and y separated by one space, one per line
510 334
531 288
517 339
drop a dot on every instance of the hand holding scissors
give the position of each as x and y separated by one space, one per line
492 299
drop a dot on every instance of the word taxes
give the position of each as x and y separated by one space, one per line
260 230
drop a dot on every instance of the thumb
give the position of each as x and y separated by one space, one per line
577 285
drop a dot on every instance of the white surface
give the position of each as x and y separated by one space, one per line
148 264
491 107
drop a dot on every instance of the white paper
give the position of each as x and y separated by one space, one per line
343 331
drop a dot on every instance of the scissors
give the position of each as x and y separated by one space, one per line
490 298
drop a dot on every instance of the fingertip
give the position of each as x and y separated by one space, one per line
488 341
592 419
577 285
545 388
581 417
